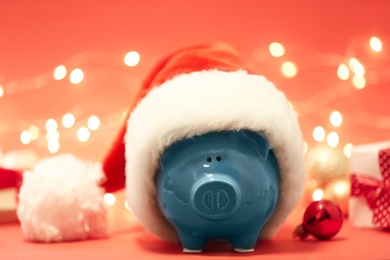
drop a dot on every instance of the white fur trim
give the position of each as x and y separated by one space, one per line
60 200
199 102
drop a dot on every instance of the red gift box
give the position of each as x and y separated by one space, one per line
369 204
10 181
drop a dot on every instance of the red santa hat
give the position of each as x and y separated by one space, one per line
194 91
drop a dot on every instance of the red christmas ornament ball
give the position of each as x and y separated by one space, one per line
323 219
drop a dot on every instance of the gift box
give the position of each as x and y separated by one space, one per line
8 205
10 181
369 204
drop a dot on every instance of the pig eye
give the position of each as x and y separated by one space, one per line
209 159
219 158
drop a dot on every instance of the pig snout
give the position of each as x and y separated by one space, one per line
215 196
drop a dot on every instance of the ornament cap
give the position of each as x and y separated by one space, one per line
301 232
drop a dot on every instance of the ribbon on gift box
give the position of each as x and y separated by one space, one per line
10 178
376 192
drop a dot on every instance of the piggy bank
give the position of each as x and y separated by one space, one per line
218 185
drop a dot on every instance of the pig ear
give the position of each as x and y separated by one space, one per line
258 142
167 152
163 158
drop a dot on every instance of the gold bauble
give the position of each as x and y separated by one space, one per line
338 192
325 164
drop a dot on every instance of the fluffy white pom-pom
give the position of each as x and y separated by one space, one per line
60 200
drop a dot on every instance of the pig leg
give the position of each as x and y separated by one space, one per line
245 242
191 243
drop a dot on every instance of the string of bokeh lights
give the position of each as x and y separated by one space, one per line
352 70
52 126
349 68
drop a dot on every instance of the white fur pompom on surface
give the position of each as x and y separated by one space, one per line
61 200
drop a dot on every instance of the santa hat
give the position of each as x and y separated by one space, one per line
197 90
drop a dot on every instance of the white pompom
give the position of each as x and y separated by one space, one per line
61 200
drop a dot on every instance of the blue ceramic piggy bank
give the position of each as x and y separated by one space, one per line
219 185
